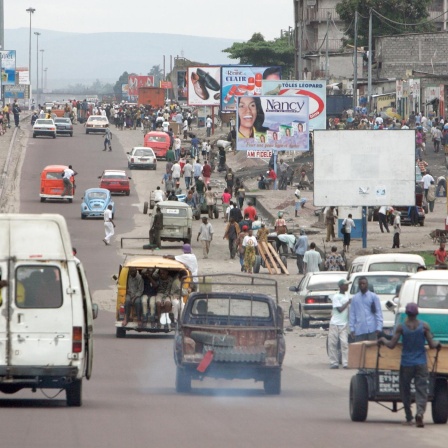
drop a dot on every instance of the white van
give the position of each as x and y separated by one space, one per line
46 313
386 262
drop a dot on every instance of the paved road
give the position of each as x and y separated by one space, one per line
130 399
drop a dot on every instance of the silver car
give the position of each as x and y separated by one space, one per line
313 298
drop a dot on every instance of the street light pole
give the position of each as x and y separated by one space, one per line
45 83
31 12
42 73
37 66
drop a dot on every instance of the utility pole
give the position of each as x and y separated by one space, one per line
2 46
298 38
37 66
355 58
42 72
327 77
31 11
369 66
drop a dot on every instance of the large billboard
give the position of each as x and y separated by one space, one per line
125 92
204 85
135 82
359 168
242 80
267 123
8 67
315 90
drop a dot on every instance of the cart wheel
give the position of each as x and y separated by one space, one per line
273 383
292 317
257 264
439 405
120 332
359 398
145 208
183 381
304 322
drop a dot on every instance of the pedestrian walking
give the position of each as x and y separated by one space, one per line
365 315
382 217
107 138
338 331
187 173
431 196
334 261
300 247
330 217
397 230
210 199
249 244
156 228
413 365
109 225
208 124
16 112
231 234
311 260
205 235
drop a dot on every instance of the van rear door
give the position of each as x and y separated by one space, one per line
41 322
3 311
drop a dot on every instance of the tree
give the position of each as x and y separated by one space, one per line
157 72
400 11
123 79
263 53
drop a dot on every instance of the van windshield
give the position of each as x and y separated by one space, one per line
381 284
38 287
154 138
433 296
398 266
52 175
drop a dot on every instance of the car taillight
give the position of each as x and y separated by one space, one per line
132 159
77 340
315 299
121 311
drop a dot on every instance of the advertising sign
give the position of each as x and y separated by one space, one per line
242 80
16 92
125 92
204 86
8 67
267 123
135 82
24 77
166 85
315 90
182 89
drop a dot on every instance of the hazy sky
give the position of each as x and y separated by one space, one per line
233 19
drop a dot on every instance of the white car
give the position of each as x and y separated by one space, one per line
384 284
142 157
44 126
96 123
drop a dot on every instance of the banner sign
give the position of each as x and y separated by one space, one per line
267 123
125 92
315 90
182 85
16 92
24 77
251 154
204 86
8 67
166 85
135 82
242 80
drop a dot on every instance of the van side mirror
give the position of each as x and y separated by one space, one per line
293 289
95 310
114 277
390 306
99 177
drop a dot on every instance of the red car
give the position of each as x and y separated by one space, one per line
116 181
159 142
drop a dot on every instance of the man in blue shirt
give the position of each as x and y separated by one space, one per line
413 365
300 248
365 316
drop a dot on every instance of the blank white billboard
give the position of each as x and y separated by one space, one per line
364 168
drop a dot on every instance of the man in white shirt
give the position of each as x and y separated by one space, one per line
175 172
311 260
67 175
108 225
166 126
188 259
427 179
382 217
338 331
159 195
208 124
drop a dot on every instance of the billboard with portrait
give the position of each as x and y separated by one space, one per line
316 91
125 92
8 67
137 81
204 85
242 80
267 123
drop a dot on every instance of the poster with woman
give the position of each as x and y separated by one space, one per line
273 123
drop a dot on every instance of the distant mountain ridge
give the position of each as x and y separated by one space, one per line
74 58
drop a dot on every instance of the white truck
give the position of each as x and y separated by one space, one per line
46 312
